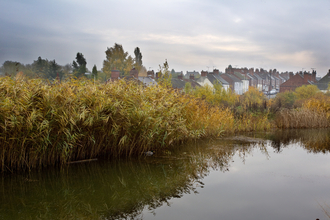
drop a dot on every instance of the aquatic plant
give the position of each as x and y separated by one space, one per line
52 123
300 118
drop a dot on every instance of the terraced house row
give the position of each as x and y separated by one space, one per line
237 79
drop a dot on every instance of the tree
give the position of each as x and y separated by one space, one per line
79 67
306 91
117 59
11 68
40 67
138 59
252 96
94 72
67 70
54 71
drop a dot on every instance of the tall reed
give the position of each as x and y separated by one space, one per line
301 118
46 124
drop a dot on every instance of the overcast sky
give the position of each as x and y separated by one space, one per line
289 35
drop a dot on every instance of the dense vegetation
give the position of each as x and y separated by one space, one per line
45 123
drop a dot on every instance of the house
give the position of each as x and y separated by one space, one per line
147 81
210 79
235 84
256 80
245 81
114 76
297 80
323 83
151 74
180 82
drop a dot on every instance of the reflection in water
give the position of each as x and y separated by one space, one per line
123 189
313 140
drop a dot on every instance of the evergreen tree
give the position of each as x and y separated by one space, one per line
54 71
138 59
79 66
40 67
94 72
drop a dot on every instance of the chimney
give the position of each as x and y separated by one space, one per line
204 73
251 71
216 72
192 77
135 73
314 75
157 75
151 74
114 75
308 77
290 75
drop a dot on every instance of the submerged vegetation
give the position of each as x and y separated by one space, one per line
45 123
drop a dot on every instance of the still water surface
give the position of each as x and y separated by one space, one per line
280 175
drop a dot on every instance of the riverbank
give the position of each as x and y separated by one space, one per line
44 124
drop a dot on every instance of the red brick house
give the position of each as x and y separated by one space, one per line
300 79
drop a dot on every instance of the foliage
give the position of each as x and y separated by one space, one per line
117 59
300 118
79 67
94 72
252 122
284 100
319 103
164 76
205 93
252 96
305 92
11 68
188 88
138 59
46 124
216 96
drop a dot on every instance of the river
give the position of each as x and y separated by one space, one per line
269 175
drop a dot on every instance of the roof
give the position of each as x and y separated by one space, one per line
221 80
240 76
234 78
323 83
193 83
148 81
178 83
257 76
196 74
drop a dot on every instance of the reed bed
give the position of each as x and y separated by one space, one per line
50 124
301 118
252 122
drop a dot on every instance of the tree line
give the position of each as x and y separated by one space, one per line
116 58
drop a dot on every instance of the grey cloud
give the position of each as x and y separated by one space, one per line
59 29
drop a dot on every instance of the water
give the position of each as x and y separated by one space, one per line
281 175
